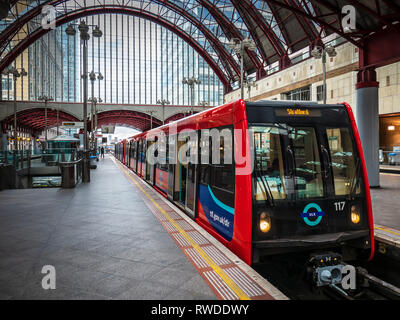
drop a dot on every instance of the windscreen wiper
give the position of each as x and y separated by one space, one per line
265 184
355 179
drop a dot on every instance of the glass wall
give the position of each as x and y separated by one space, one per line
141 62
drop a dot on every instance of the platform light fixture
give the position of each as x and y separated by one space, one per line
151 118
16 73
45 99
191 82
320 52
203 104
84 36
239 46
250 84
93 101
163 102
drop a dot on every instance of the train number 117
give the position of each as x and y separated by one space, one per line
339 206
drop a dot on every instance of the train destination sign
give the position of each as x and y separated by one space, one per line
297 112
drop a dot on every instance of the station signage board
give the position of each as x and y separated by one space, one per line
107 129
72 125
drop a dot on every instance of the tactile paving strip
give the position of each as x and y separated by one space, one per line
181 240
224 291
196 258
196 236
235 277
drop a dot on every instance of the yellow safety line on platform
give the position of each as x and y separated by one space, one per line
239 292
387 230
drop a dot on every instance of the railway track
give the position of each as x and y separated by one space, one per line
376 280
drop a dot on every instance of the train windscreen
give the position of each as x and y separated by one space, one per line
295 162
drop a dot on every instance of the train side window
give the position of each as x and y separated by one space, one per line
163 149
204 161
222 174
344 165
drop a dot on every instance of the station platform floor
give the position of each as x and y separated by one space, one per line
115 238
386 201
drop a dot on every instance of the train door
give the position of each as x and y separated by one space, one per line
131 154
186 179
140 157
180 178
143 159
128 153
191 181
135 156
125 152
150 167
171 143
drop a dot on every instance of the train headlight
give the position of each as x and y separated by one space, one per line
265 222
355 214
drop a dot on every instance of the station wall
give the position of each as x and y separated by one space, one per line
341 81
341 86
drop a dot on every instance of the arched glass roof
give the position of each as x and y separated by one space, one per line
278 27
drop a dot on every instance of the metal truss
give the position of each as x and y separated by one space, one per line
34 119
134 119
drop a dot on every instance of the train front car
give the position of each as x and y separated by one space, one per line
310 188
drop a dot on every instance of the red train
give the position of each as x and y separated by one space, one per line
297 182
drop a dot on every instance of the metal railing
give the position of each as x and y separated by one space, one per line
31 165
48 157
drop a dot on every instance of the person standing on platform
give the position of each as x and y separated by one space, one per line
102 152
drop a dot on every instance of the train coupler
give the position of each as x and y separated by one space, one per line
325 269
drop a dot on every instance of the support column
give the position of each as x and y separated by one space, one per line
367 118
4 141
34 143
4 137
284 62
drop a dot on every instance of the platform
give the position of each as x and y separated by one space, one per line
387 235
386 201
115 238
389 169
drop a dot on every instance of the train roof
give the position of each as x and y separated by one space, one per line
235 109
285 103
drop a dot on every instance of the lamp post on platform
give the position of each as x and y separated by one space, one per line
163 102
239 46
191 82
250 84
320 52
203 104
46 99
16 74
151 118
84 36
94 102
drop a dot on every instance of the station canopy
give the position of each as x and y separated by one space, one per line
278 27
